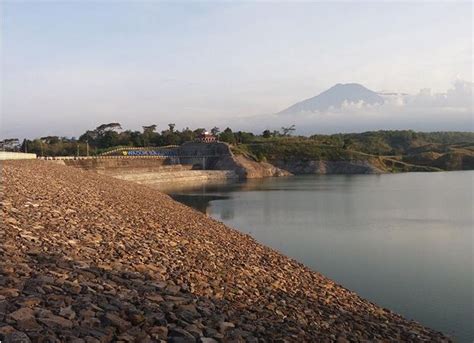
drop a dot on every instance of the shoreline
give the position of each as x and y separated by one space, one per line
131 252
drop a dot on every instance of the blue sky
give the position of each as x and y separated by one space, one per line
68 66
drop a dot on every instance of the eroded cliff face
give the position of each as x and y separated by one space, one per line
220 157
246 168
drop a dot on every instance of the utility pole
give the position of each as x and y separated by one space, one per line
87 148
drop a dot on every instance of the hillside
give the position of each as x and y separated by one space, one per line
88 258
379 151
443 150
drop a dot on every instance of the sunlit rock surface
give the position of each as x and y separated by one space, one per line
88 258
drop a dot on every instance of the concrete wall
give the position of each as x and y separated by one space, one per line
203 155
204 149
162 173
7 155
116 164
179 178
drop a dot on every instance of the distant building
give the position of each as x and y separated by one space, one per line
207 137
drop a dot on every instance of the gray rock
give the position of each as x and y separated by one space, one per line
16 337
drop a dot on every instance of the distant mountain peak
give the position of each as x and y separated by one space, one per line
335 97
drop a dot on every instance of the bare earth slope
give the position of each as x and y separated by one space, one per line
84 255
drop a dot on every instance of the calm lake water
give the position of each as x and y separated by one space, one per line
403 241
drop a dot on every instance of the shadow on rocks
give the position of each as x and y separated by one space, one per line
47 298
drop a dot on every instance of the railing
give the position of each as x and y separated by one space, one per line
96 157
124 148
100 157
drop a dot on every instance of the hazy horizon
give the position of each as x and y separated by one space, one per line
69 66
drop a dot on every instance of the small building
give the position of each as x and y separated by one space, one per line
207 137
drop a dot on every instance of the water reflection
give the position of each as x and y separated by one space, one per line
403 241
199 202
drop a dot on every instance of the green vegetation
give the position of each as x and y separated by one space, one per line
111 135
398 142
289 148
399 149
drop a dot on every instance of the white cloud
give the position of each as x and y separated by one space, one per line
424 111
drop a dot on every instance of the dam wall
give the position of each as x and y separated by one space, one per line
191 163
9 155
179 178
162 173
118 164
204 149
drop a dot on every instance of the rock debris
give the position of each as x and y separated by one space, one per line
88 258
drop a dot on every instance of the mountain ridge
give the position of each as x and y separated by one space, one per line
335 97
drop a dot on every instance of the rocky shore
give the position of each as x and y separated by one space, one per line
329 167
88 258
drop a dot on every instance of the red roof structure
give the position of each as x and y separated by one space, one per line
207 137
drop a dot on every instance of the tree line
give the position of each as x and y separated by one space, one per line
109 135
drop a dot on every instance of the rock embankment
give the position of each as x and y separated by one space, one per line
88 258
329 167
176 179
246 168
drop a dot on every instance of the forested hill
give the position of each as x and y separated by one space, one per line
442 150
400 142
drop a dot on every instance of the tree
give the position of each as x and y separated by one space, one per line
108 127
50 139
227 136
149 134
88 136
135 138
286 131
103 136
187 135
24 145
108 139
199 131
10 144
149 128
244 137
266 134
215 130
170 137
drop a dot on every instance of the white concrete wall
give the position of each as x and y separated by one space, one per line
7 155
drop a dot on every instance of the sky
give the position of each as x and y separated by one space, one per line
68 66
